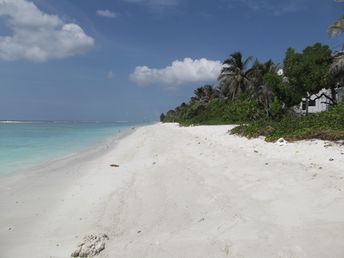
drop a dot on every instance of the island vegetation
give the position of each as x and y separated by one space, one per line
260 97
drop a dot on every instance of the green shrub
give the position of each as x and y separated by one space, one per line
217 111
327 125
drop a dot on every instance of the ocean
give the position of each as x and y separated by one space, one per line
25 144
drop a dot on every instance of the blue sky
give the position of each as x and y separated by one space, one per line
133 59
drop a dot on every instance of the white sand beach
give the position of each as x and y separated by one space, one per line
181 192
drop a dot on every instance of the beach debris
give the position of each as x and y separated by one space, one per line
327 144
266 164
202 219
331 159
255 151
114 165
281 142
227 249
91 245
138 232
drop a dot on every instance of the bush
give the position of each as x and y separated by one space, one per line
217 111
327 125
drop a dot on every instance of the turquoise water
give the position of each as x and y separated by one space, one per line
27 144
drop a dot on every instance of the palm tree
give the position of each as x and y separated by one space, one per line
336 28
337 68
199 94
259 89
233 78
210 92
205 93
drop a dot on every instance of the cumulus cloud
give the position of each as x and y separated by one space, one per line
179 72
106 13
38 36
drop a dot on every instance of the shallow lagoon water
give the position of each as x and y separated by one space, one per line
28 144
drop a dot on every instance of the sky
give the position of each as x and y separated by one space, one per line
131 60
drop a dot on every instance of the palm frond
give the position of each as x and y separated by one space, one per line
247 61
336 28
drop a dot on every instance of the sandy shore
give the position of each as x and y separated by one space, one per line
181 192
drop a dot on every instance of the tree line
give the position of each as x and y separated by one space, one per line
274 90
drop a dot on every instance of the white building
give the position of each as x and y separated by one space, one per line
318 105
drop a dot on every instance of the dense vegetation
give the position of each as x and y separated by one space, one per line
325 125
261 97
217 111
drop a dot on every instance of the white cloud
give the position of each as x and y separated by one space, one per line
179 72
106 13
110 75
38 36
